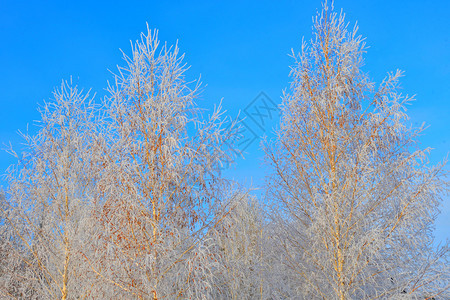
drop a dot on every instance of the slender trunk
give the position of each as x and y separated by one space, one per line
66 247
66 270
339 255
155 220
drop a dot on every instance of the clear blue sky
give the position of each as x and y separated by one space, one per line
240 48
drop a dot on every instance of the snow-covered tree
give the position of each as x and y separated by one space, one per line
355 196
238 247
49 198
160 180
119 201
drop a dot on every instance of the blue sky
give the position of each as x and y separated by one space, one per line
240 48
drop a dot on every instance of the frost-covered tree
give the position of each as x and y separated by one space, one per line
355 196
49 198
238 248
120 201
160 180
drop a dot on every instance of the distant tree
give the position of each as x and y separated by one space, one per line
237 243
355 197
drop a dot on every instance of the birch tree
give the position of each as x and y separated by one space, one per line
49 196
355 196
160 181
239 250
120 201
